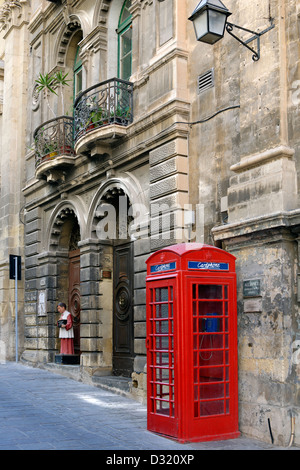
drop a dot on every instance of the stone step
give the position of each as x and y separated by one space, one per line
117 384
69 359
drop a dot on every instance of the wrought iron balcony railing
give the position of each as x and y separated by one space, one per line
54 138
109 102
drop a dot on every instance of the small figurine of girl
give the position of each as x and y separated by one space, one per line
66 332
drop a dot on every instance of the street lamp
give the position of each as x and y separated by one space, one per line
210 20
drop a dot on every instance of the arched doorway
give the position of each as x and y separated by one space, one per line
74 284
65 237
112 226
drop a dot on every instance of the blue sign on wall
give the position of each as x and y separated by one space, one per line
160 268
210 266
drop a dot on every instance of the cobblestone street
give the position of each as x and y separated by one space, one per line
41 410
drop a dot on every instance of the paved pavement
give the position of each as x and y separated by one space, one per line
41 410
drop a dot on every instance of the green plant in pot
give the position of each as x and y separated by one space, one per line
49 83
50 151
97 117
52 84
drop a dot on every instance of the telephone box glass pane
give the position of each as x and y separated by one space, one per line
210 292
162 346
210 349
161 294
214 407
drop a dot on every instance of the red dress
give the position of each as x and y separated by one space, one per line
67 335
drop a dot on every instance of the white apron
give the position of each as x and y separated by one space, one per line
63 333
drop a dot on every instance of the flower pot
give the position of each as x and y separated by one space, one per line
49 156
65 150
52 155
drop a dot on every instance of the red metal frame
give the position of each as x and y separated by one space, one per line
161 346
192 383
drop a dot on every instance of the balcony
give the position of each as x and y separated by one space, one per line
102 113
54 149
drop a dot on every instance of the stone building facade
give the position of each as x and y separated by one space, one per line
158 140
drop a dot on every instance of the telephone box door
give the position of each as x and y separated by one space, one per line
161 326
212 353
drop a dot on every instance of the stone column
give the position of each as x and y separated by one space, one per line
41 342
90 343
49 271
13 23
168 192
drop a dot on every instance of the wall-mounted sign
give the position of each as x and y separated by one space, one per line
253 305
210 266
106 274
12 267
252 288
160 268
42 303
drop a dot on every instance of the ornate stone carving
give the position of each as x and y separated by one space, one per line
35 99
13 12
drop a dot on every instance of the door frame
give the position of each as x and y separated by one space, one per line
122 312
74 258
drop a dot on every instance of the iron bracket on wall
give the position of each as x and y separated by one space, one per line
256 36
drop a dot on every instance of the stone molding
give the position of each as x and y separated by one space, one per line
263 157
265 183
281 220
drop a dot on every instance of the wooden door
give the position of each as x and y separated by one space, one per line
74 295
123 311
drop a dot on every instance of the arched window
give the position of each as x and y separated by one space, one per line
125 42
77 74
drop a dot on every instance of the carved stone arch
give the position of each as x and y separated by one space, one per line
116 198
123 185
64 39
64 229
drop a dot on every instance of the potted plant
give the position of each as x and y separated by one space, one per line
53 84
96 117
89 125
50 151
49 83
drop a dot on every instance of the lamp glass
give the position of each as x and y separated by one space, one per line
217 22
201 25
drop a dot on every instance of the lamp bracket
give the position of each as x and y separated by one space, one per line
256 36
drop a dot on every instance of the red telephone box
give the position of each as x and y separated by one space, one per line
192 377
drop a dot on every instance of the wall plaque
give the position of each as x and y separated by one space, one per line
252 305
252 288
42 302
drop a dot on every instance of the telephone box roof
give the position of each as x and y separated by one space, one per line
183 248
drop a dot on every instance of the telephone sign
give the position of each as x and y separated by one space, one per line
159 268
208 265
